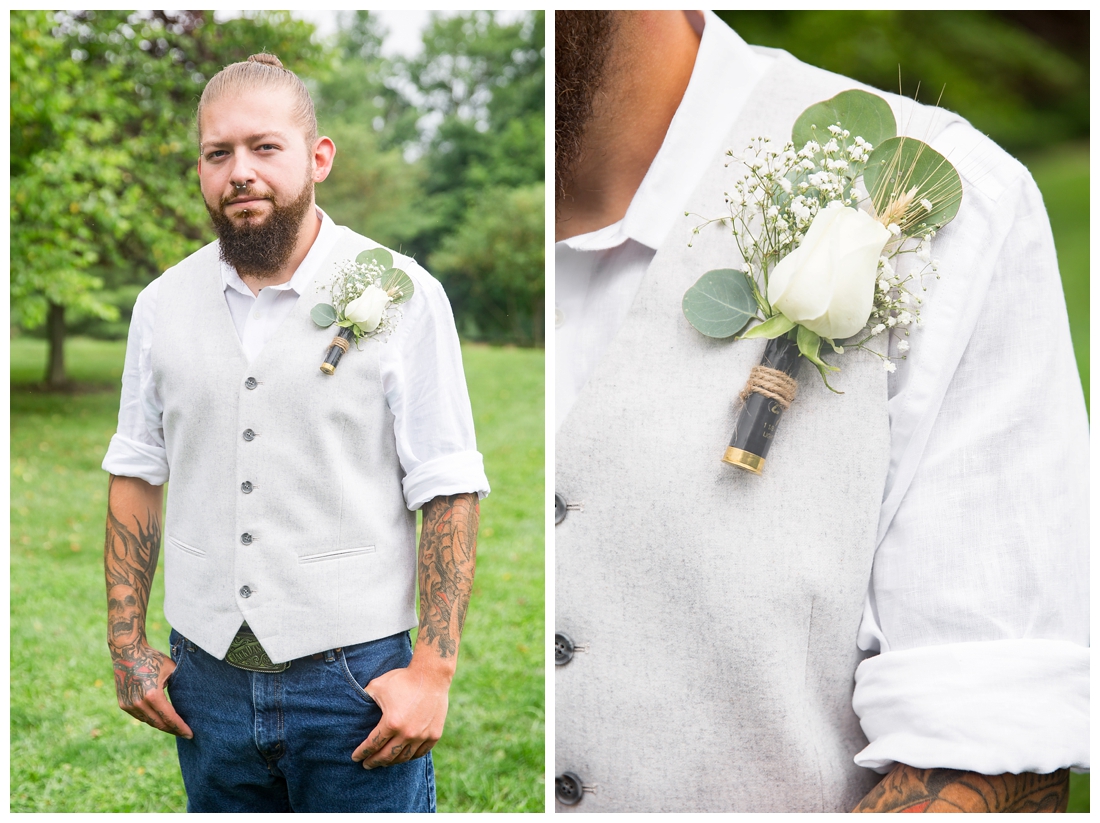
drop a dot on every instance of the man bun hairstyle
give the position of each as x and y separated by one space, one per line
261 72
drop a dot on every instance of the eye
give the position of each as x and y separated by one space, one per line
216 154
269 147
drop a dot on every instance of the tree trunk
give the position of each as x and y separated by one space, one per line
55 368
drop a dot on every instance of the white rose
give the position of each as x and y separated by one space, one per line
365 311
827 284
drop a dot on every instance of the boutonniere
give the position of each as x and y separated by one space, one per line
365 292
821 224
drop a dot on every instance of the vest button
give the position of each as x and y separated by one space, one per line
563 648
245 591
559 509
249 434
246 538
246 487
568 789
250 383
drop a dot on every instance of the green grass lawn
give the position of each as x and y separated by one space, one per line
72 749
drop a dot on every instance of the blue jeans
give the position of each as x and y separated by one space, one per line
267 742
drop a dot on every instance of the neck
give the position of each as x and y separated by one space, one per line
646 75
307 234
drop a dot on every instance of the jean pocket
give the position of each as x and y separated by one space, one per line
176 652
351 679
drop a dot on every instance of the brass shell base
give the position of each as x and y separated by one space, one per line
328 368
744 460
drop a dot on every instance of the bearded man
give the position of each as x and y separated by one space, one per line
290 557
924 534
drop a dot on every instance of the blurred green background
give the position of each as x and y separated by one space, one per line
440 156
1022 77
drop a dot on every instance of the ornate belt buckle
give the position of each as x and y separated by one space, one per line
245 652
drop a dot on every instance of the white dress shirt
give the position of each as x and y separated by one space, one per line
420 363
978 602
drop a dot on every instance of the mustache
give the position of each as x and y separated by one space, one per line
248 193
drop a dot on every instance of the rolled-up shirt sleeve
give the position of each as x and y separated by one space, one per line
425 388
137 447
978 603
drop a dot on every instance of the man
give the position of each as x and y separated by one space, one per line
709 621
290 562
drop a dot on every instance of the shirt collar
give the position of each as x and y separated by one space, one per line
725 73
303 275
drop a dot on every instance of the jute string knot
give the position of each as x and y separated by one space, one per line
342 344
771 383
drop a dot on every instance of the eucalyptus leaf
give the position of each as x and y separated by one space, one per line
720 303
897 166
378 255
863 114
323 315
398 284
771 328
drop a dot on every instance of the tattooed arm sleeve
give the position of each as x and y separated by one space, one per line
906 789
448 543
130 554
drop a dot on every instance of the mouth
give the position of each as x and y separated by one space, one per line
245 200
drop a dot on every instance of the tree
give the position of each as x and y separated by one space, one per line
493 263
481 82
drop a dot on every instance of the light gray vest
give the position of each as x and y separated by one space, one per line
715 612
285 506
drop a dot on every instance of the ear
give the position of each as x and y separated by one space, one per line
323 153
199 168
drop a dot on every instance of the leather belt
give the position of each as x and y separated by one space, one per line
245 652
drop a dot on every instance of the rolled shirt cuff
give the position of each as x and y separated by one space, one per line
990 707
456 473
129 458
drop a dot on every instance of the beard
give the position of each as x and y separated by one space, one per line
582 42
261 249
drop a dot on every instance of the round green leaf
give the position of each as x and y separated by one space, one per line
863 114
720 303
897 166
323 315
399 284
378 255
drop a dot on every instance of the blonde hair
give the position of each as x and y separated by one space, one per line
261 72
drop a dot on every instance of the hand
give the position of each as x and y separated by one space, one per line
140 674
414 708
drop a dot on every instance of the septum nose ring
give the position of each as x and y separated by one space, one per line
240 186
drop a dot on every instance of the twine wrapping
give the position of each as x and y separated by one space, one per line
341 343
771 383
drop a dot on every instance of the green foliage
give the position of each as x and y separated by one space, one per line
863 114
1021 89
901 164
720 303
492 265
73 750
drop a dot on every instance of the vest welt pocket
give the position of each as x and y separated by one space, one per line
183 547
334 555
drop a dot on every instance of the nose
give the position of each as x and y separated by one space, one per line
242 175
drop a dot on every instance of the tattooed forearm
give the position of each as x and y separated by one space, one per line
130 553
907 789
448 545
